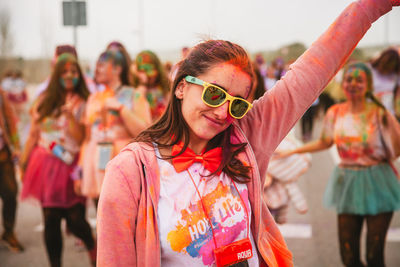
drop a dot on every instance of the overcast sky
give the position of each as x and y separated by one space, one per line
170 24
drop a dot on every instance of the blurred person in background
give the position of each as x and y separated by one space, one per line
7 80
279 66
307 121
270 77
51 153
61 49
386 77
168 68
9 151
332 94
118 46
150 78
184 52
174 69
261 64
112 118
364 186
280 185
15 87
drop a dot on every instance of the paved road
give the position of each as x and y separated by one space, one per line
30 233
313 243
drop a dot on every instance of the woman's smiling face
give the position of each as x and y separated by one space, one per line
355 84
69 76
206 122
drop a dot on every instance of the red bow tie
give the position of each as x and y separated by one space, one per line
210 160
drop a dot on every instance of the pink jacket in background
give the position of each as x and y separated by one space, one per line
127 215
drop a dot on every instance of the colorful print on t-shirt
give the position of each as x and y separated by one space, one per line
185 232
193 233
356 135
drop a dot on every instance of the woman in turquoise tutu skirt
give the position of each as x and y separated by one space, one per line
364 186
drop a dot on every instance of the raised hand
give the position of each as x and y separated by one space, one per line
71 100
112 103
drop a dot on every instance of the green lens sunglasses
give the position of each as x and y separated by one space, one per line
215 96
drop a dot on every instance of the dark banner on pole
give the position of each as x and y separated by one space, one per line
74 13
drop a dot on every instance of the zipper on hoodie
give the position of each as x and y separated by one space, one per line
253 158
257 173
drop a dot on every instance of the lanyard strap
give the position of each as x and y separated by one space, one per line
206 214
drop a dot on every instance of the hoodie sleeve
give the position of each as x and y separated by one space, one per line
117 212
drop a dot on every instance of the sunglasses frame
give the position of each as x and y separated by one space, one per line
228 97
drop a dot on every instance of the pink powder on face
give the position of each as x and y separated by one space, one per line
229 118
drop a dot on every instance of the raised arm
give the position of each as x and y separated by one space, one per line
136 119
278 110
140 117
390 134
310 147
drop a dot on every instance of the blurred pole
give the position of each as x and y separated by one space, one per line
213 7
386 30
141 24
75 22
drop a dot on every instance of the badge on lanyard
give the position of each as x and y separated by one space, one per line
239 251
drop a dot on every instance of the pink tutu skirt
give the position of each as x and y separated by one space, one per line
48 180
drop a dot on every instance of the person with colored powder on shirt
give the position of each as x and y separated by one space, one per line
51 153
61 49
112 118
364 187
188 191
9 151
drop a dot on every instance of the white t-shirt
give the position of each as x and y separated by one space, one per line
384 86
384 83
269 83
185 236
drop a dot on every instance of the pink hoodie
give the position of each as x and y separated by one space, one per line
127 215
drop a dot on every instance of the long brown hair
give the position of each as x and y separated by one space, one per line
117 58
173 127
125 76
259 88
54 96
388 62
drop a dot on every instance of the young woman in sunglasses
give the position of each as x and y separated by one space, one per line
188 191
